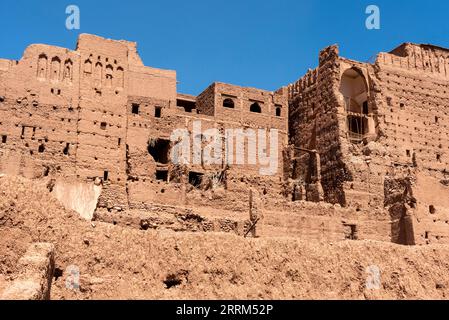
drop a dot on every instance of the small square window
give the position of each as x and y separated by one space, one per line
135 108
103 125
157 112
162 175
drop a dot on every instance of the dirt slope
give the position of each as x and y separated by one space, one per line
120 262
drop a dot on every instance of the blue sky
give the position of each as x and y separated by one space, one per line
263 44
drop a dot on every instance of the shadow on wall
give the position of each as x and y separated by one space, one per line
78 196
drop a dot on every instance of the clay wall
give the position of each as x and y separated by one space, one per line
347 133
413 101
38 112
315 124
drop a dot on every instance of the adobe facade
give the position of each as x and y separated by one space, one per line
370 140
382 131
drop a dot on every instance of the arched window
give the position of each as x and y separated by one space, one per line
255 107
278 111
228 103
354 89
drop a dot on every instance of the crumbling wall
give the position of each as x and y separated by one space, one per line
92 114
431 213
410 93
324 222
412 96
36 274
205 102
38 112
400 202
315 124
103 123
98 114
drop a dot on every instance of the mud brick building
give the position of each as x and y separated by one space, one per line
363 147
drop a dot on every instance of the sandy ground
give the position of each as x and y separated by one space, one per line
123 263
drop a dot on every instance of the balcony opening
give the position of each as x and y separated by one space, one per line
354 90
357 126
4 138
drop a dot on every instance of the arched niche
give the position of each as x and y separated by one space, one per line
98 73
55 68
120 77
87 67
68 70
109 75
42 66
